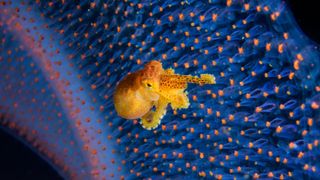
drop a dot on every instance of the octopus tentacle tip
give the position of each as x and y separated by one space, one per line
209 78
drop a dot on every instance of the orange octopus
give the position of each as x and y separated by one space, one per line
146 93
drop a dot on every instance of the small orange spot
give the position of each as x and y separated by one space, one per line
314 105
164 127
188 165
209 111
310 121
296 64
268 46
164 56
280 48
204 67
250 144
270 175
291 75
194 168
300 57
240 50
216 132
256 42
258 8
231 82
155 169
300 155
236 153
201 18
231 117
175 127
304 132
270 153
246 6
214 17
164 156
211 159
181 16
281 106
229 3
93 86
268 124
291 145
246 119
220 146
279 129
258 109
244 22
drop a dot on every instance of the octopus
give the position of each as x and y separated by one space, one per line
146 93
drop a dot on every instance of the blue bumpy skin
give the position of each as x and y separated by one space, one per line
259 120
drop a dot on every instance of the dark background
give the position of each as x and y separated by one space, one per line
17 161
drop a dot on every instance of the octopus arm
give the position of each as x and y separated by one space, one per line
153 118
176 81
179 101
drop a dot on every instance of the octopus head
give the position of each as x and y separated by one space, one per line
150 76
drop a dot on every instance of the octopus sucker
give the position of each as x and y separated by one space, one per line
137 93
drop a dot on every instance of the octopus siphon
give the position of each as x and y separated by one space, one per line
146 93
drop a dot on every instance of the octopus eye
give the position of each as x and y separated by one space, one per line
148 84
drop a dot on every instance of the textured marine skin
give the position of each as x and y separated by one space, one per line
139 92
